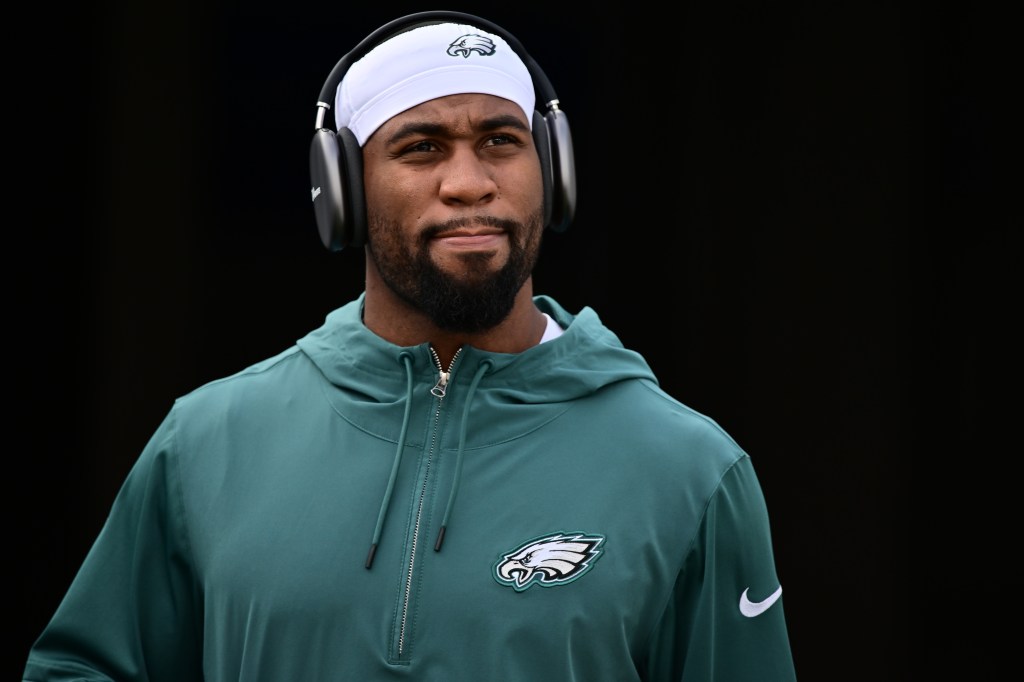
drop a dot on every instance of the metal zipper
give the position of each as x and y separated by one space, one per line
439 391
441 387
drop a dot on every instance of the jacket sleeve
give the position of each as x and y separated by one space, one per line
133 611
724 620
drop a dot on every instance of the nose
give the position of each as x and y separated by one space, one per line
467 180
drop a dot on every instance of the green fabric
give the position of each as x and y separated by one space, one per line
235 549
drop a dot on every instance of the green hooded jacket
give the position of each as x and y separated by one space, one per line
550 515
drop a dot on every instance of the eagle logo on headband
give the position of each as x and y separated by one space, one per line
470 43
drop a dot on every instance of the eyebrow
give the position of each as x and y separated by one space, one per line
438 130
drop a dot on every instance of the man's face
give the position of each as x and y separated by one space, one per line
455 208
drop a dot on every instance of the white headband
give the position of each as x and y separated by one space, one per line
428 62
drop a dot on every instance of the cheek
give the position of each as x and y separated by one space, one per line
392 197
529 186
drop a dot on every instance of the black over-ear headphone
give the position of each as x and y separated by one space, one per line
336 159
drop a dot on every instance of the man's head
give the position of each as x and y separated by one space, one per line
452 176
336 157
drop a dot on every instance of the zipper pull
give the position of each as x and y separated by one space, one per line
441 387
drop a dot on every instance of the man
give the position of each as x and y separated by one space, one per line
453 478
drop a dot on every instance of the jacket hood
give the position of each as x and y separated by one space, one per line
587 357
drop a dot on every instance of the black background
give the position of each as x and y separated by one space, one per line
793 210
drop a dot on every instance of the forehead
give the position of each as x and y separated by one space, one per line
470 108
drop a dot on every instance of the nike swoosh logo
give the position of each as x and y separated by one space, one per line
756 608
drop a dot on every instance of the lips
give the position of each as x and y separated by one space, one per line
468 232
470 239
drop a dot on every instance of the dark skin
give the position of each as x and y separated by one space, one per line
467 158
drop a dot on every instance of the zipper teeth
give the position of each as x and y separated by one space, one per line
419 510
437 359
416 537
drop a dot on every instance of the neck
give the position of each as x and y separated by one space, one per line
395 320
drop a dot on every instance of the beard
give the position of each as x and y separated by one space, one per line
474 301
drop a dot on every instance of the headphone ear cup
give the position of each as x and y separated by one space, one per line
542 140
563 170
336 171
326 182
355 195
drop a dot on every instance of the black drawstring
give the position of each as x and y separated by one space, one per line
406 358
480 371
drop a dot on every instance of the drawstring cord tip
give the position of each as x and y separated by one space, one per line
369 559
440 539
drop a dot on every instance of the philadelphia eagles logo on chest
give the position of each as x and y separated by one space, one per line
549 560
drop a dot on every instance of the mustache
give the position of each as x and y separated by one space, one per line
512 227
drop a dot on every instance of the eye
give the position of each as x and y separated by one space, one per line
500 140
422 146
